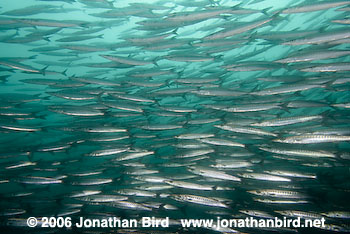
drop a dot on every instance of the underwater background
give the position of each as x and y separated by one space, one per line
178 109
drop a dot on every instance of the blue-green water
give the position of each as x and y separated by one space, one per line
174 109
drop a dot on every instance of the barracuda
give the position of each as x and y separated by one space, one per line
103 198
292 174
245 108
265 177
20 128
286 89
231 164
187 185
315 55
130 205
287 121
174 109
320 38
235 31
135 192
132 98
73 95
92 182
21 164
297 152
21 67
256 213
194 153
198 200
337 214
189 136
161 127
246 130
314 7
134 155
313 139
279 202
128 61
107 152
277 193
335 67
212 173
39 180
76 111
102 129
301 214
84 193
196 16
216 141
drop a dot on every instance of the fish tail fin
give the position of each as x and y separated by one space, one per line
276 18
42 71
328 86
110 3
218 57
237 6
214 3
327 115
4 78
284 106
155 61
265 11
175 31
64 72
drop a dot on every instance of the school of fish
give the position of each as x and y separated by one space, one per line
179 109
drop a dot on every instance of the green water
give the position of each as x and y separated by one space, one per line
118 108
